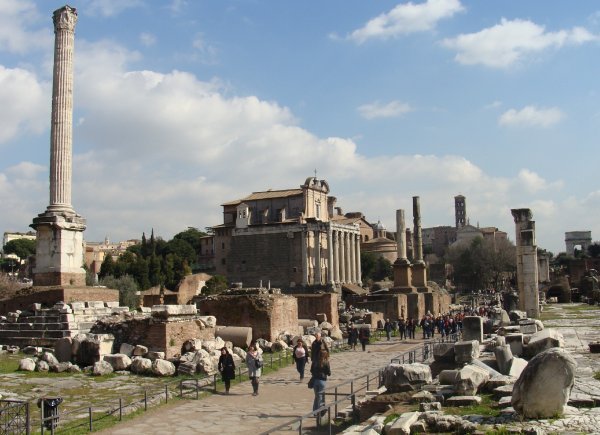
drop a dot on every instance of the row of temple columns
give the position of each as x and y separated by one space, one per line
343 257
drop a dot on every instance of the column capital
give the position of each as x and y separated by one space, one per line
65 18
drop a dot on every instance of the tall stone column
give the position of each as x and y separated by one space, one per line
336 257
343 257
304 253
357 267
59 230
419 275
330 266
527 265
352 258
318 257
402 269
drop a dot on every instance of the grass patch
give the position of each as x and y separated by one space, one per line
498 431
597 376
487 408
390 418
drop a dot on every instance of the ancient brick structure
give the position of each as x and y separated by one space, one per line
267 313
311 304
48 296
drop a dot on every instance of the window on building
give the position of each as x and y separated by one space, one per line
222 261
222 245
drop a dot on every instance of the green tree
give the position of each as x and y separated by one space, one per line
127 287
154 272
22 248
181 249
594 250
215 285
383 269
193 236
367 265
108 267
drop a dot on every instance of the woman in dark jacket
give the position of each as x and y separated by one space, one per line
300 355
320 370
352 337
226 368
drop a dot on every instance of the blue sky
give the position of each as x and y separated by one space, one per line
182 105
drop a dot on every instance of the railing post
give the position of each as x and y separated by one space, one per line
166 393
336 404
91 419
120 409
42 418
27 418
145 400
368 379
181 388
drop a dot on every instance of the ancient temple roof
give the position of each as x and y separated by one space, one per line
269 194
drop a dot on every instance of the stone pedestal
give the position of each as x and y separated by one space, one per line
419 275
473 328
59 250
402 274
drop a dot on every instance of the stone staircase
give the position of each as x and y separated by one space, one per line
43 326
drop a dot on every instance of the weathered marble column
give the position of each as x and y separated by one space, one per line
419 272
336 257
343 257
402 269
357 267
330 267
351 249
527 265
59 230
304 254
317 257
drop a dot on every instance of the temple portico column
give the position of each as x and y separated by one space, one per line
347 257
318 257
304 259
336 257
342 257
352 257
358 271
330 267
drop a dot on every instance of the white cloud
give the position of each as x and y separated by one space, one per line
509 42
493 105
531 116
24 103
17 17
393 109
108 8
533 183
203 51
147 39
407 18
163 150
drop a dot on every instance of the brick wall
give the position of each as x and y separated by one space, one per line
311 304
267 315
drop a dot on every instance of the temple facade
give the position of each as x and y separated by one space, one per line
290 239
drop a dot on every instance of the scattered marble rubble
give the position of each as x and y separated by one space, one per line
541 388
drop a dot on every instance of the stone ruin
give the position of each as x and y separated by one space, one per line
523 364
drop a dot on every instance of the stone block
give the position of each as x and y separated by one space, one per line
466 351
469 379
402 425
517 367
161 367
126 349
472 328
463 401
544 387
443 352
140 350
102 368
504 358
63 349
118 361
321 317
406 377
111 304
94 304
543 340
165 311
504 391
527 326
515 341
77 306
141 366
152 355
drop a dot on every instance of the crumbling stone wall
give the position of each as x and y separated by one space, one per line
158 335
267 314
393 306
311 304
51 295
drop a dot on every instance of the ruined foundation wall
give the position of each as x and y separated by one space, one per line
156 335
267 315
311 304
391 306
48 297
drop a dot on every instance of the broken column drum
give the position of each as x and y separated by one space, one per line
527 268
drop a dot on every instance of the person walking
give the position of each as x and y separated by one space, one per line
316 347
254 362
300 355
226 367
402 328
320 370
352 337
388 329
363 335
